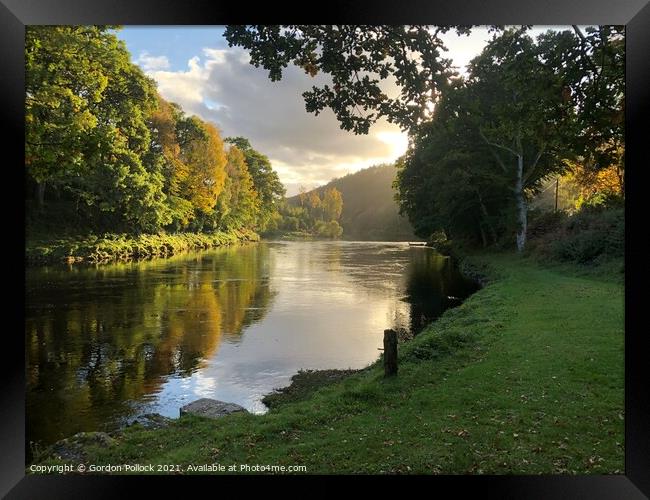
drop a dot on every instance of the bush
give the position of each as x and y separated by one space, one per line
601 200
594 234
543 222
111 247
330 229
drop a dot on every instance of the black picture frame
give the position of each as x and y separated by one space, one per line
634 14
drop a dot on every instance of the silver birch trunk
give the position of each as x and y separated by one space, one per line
522 209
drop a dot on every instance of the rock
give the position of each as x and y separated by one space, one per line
211 408
73 448
151 421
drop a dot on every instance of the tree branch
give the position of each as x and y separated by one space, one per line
583 47
489 143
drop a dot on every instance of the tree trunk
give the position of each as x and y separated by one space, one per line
522 209
40 194
620 172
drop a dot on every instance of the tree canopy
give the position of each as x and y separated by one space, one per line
105 152
361 62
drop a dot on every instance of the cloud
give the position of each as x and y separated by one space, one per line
223 87
151 63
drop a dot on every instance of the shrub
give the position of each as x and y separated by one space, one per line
594 234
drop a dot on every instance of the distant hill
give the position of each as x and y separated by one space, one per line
369 209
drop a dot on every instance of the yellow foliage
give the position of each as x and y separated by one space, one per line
589 182
206 161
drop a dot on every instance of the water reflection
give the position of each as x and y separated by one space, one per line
100 339
105 344
433 285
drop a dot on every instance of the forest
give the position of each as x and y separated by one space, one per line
311 214
370 211
105 153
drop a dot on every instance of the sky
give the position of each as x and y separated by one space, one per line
194 67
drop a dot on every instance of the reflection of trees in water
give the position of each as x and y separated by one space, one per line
100 338
433 285
430 282
425 287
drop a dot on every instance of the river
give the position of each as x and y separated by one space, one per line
107 343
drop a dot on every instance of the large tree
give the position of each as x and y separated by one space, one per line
332 204
591 63
202 150
86 130
238 205
518 108
266 181
448 182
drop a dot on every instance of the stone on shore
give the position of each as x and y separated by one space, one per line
211 408
151 421
74 448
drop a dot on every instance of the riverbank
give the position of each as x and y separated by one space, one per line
525 377
292 236
123 247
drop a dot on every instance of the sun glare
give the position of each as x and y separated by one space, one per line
398 142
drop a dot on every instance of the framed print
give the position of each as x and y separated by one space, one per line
403 244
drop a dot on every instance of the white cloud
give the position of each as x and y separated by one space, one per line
152 63
224 88
220 85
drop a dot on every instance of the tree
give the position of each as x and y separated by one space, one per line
203 152
592 66
314 204
332 204
163 123
492 139
266 181
519 112
448 182
86 131
65 78
238 204
361 62
302 195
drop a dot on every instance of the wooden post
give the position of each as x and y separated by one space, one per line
390 353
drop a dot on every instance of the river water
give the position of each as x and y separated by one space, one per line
107 343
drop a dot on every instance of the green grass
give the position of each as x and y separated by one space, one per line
303 384
124 247
526 377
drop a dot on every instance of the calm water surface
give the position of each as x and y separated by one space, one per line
106 344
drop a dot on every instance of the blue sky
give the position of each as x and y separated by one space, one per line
178 43
194 67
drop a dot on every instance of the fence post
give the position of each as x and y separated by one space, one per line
390 353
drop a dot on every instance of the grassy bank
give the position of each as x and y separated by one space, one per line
525 377
291 235
112 247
